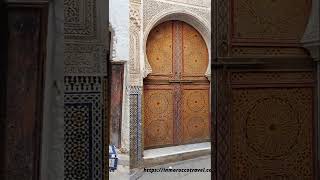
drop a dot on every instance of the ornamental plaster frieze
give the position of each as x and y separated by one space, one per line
204 4
152 8
135 15
135 43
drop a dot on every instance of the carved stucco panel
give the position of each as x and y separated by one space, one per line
153 7
197 3
84 59
135 43
84 35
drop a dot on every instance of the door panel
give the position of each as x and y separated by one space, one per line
24 86
195 113
158 115
117 73
195 53
272 133
265 122
159 49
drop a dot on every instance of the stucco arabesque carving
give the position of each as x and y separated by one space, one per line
135 38
135 18
113 40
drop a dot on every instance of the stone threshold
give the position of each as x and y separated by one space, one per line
159 156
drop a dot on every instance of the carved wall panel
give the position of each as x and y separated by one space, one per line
80 20
134 51
267 21
83 59
135 43
24 86
85 37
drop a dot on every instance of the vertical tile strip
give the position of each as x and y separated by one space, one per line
136 146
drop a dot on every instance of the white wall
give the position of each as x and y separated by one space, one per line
119 20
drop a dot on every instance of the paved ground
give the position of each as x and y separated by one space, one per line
198 163
122 173
202 162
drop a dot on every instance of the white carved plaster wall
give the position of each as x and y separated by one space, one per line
135 42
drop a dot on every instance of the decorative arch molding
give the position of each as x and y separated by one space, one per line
200 24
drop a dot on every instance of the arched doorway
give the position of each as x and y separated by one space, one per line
176 92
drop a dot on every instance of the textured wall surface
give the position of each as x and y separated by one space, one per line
52 162
85 76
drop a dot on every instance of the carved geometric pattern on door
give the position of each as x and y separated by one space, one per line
195 110
272 133
176 93
254 22
158 115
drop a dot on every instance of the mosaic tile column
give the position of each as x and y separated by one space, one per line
136 142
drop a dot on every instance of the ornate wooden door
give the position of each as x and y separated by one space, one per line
264 92
176 93
21 113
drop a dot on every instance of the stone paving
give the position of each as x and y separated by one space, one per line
198 163
122 173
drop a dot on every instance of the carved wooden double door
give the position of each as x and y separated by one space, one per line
176 93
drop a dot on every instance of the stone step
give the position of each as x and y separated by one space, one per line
154 157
